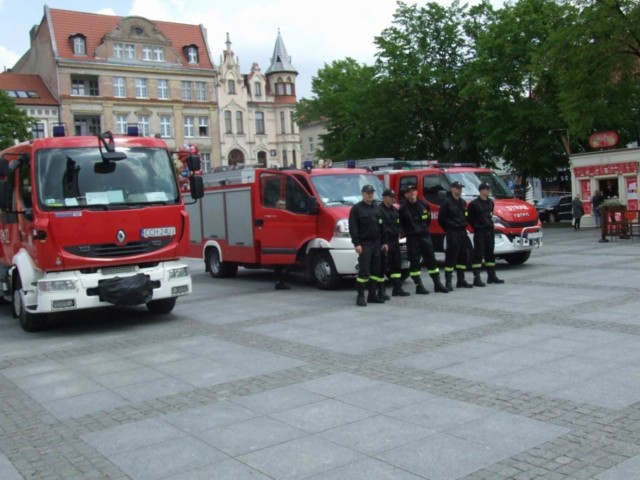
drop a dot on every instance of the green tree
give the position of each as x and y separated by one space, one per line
597 60
14 123
515 90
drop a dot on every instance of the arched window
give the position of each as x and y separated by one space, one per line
231 86
79 44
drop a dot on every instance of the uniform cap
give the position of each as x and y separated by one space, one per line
388 193
368 189
409 188
484 186
457 184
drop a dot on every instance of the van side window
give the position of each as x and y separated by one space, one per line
297 198
25 184
432 184
271 186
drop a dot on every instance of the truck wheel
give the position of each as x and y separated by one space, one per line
324 271
219 269
162 306
517 258
28 321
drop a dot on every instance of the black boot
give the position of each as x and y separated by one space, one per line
462 283
397 289
492 278
360 301
373 293
437 284
420 290
477 281
382 291
448 281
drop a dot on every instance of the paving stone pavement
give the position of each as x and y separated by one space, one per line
538 378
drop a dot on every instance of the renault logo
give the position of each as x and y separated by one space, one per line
121 236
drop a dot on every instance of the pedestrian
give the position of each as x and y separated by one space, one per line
481 220
367 231
578 212
415 217
453 220
392 259
596 203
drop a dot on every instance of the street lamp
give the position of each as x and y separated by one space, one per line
565 138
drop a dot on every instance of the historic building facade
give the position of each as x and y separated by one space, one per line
110 73
257 124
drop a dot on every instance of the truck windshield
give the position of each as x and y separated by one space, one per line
78 177
471 180
345 189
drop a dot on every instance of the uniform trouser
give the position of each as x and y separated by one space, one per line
392 261
370 263
455 256
421 246
483 245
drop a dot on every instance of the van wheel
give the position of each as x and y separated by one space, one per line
517 258
28 321
324 272
553 218
161 306
219 269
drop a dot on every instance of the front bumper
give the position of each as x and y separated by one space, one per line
526 240
85 291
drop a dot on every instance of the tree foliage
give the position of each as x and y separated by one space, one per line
462 83
14 123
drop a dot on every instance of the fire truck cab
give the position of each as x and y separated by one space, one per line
262 218
91 221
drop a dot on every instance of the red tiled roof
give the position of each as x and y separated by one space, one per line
95 26
26 83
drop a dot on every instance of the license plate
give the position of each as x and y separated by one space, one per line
534 235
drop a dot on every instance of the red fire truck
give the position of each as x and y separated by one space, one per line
516 225
91 221
262 218
518 229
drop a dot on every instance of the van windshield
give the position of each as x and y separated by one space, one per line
345 189
471 180
78 177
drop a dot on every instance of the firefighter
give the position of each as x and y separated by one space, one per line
367 233
392 260
481 219
415 217
453 220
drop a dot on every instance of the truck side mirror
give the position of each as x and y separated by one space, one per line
312 205
5 195
196 186
193 162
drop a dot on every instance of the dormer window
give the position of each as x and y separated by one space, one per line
79 43
191 51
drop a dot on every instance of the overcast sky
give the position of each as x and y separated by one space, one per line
314 32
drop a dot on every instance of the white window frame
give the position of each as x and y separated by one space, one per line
118 50
239 122
260 126
143 124
79 45
186 90
158 54
203 126
121 123
119 87
228 124
141 88
201 91
192 54
163 89
189 126
130 51
166 126
147 53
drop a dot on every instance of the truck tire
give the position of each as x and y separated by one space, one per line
324 271
553 218
28 321
517 258
219 269
161 306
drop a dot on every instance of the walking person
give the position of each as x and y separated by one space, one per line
596 203
578 212
481 220
367 232
453 220
415 217
392 259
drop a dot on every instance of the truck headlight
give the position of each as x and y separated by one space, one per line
342 228
178 272
56 285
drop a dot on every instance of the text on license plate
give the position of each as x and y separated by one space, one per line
534 235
